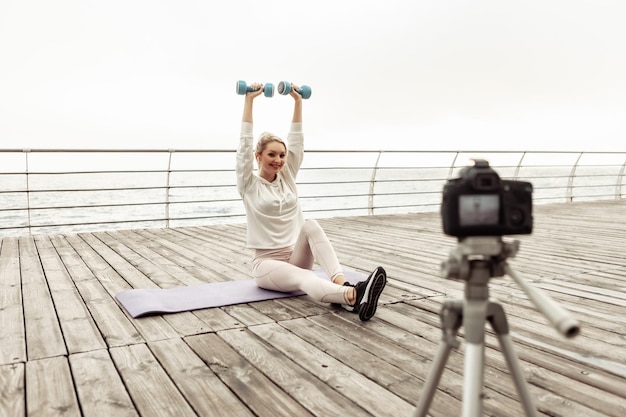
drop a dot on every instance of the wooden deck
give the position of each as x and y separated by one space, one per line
67 348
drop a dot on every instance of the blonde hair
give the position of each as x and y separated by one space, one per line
264 139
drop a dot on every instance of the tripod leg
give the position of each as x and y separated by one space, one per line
474 324
518 377
500 326
451 316
430 386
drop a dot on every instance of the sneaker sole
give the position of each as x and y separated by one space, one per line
368 309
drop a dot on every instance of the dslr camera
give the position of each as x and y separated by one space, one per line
479 203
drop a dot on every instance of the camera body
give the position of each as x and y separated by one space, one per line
479 203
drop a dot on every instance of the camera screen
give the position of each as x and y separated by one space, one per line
479 209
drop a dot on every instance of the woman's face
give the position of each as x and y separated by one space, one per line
271 160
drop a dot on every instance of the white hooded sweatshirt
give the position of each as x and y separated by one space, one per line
273 212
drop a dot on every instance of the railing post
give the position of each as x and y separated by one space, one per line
519 166
370 208
167 188
452 164
569 193
618 184
27 171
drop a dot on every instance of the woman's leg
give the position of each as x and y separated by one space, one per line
313 244
282 276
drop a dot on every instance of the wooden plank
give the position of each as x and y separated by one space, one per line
82 264
161 268
218 319
112 270
162 271
133 257
530 323
99 386
205 392
373 356
599 390
155 247
364 392
79 330
275 310
372 352
13 397
338 387
98 257
12 333
246 314
151 389
219 261
49 388
255 389
43 332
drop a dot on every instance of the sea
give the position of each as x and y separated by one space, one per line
72 192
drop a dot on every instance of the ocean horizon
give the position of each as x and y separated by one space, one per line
73 192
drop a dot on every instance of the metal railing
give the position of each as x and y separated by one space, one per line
73 190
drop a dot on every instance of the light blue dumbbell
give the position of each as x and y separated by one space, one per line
243 88
284 88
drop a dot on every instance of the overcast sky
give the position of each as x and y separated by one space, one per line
389 74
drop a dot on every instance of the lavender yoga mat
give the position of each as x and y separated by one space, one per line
144 302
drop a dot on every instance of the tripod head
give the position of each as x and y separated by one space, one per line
476 259
491 249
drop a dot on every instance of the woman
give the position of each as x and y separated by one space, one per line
285 244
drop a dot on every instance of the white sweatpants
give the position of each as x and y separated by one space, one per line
289 269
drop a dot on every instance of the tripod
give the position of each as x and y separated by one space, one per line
476 260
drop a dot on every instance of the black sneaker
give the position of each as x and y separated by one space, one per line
367 294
